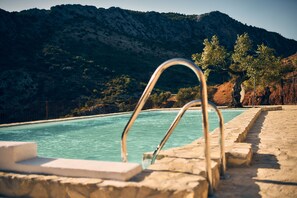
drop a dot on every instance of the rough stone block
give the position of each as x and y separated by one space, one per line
239 155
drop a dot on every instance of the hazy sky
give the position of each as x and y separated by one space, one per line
273 15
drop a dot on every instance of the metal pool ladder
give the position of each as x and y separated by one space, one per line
204 105
176 121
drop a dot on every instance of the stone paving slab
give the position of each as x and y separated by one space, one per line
273 172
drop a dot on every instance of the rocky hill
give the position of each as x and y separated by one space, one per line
74 52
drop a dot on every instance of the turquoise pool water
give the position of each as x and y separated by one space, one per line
100 138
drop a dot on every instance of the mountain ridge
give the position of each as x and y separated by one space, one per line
74 52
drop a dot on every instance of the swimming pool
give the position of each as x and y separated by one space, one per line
100 138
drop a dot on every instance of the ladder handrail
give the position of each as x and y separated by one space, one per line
178 118
204 102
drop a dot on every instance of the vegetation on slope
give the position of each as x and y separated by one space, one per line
73 55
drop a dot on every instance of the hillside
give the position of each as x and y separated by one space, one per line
77 53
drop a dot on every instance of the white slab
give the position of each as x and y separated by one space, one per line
11 152
22 157
81 168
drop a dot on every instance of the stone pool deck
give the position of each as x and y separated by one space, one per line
273 171
180 172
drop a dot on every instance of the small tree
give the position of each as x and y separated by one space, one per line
185 95
242 61
213 57
262 70
159 100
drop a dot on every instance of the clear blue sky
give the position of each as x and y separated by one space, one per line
273 15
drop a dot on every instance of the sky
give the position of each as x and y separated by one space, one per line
273 15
